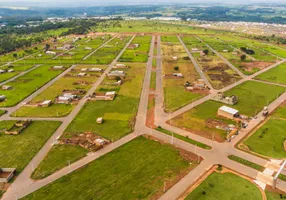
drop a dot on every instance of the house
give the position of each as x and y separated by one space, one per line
220 97
100 142
83 70
64 100
119 65
2 71
2 98
81 74
108 96
133 46
228 112
6 87
95 69
116 73
11 70
58 67
99 120
178 75
46 103
175 58
225 50
51 53
6 174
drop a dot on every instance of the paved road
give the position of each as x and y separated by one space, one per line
23 180
224 59
23 185
199 70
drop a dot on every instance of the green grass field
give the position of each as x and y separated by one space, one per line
27 84
274 75
58 157
119 114
225 187
274 195
268 140
246 163
139 174
17 151
253 96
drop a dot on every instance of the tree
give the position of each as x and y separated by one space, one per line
47 47
206 51
243 49
176 68
15 55
117 78
243 57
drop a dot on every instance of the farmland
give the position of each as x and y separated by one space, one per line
140 160
218 72
175 93
119 114
25 145
138 50
68 83
225 186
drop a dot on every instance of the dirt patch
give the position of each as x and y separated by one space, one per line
251 66
150 119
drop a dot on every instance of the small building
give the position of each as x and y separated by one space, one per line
175 58
99 120
81 74
58 67
195 49
202 53
51 53
87 48
11 70
2 71
116 73
64 100
108 96
46 103
99 142
225 50
95 69
2 98
119 65
230 100
7 87
228 112
6 174
178 75
83 69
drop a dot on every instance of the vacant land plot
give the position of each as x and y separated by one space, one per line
138 50
140 160
17 151
224 187
27 84
203 120
248 65
218 72
274 195
58 157
280 112
268 140
274 75
119 114
70 83
108 53
176 60
253 96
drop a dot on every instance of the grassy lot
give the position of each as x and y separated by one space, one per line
108 53
186 139
140 160
224 187
280 112
253 96
197 120
217 71
119 114
274 195
58 157
274 75
17 151
153 81
138 54
27 84
268 140
65 83
246 162
175 93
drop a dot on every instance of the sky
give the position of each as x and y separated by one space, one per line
79 3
